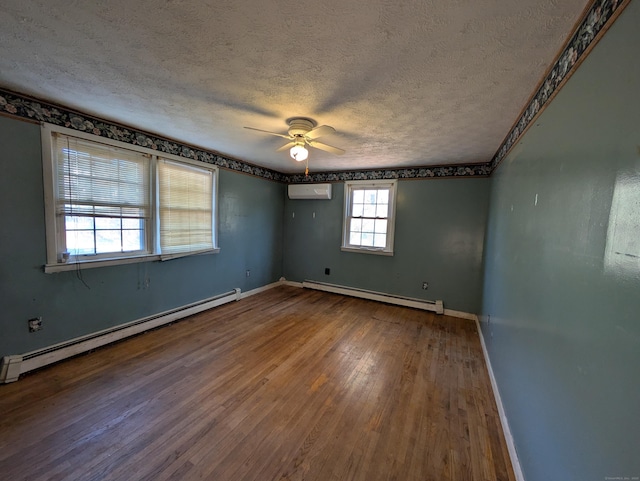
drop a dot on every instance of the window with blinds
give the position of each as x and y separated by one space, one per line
106 202
103 197
186 208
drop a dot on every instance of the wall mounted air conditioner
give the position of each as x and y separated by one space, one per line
310 191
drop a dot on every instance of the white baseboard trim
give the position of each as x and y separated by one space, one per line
460 314
513 454
258 290
290 283
11 367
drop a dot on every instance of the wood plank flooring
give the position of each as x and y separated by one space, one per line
289 384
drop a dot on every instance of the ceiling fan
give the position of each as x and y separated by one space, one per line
302 132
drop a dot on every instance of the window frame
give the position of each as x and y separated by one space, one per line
349 188
55 224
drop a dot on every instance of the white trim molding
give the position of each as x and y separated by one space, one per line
511 447
352 186
460 314
258 290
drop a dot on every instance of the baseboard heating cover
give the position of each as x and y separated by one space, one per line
13 366
434 306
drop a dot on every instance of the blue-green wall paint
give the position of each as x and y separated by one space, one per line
561 282
562 285
439 233
250 237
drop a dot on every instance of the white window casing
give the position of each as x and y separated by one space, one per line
103 203
369 216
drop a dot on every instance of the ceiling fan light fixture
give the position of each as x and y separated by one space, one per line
302 132
299 153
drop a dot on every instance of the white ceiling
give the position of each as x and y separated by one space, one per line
405 83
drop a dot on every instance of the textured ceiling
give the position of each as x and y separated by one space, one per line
405 83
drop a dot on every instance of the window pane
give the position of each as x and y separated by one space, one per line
107 223
80 242
74 222
108 241
382 210
370 196
368 225
381 226
358 196
358 210
356 225
354 238
132 224
369 210
380 240
367 240
383 196
132 240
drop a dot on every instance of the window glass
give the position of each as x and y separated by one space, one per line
107 202
369 212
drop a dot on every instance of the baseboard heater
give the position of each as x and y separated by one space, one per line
12 366
434 306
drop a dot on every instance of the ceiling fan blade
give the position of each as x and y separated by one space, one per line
325 147
270 133
320 131
286 146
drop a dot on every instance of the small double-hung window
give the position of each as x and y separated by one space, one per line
369 217
108 203
102 200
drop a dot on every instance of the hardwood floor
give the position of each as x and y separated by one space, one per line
289 384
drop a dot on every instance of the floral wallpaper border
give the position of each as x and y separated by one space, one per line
474 170
21 106
25 107
598 16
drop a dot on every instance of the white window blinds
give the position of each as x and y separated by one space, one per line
99 180
185 207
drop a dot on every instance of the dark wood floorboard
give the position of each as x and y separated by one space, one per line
289 384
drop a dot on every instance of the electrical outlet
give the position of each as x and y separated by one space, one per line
35 324
425 285
327 271
248 273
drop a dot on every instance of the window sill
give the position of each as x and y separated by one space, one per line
365 250
72 266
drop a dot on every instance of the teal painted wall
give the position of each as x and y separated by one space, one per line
439 235
250 237
562 278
